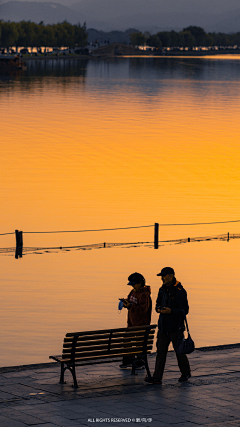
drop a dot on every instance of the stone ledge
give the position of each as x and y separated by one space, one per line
53 364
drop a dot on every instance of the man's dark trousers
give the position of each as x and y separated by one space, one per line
163 342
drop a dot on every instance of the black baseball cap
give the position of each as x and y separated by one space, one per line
135 278
165 271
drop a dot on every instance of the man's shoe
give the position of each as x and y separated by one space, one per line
152 380
140 367
184 378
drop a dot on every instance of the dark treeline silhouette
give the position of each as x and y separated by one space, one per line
29 34
188 37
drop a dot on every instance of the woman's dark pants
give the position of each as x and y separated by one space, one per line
163 342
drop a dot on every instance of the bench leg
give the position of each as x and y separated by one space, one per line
75 384
147 367
134 367
62 374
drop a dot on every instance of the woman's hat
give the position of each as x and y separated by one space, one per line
135 278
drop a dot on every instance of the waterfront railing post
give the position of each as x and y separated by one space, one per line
19 238
19 244
156 235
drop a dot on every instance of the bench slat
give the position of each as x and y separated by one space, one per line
138 349
117 337
103 349
105 346
88 361
106 337
106 331
106 341
106 356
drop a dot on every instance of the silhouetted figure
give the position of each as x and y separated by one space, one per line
172 304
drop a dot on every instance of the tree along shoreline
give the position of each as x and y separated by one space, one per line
32 35
189 37
29 34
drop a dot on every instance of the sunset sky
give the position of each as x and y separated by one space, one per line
142 15
163 5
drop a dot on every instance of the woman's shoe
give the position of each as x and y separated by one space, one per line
125 366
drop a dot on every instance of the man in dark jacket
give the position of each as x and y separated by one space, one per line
172 304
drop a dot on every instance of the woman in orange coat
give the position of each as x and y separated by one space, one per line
139 305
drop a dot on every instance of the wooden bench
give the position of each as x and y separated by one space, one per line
105 346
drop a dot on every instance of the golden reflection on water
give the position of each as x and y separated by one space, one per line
112 150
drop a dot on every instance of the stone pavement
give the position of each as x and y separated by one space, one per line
107 396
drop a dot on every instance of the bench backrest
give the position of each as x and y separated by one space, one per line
82 346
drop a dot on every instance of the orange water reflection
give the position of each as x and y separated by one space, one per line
111 150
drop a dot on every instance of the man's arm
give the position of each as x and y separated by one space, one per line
183 307
158 302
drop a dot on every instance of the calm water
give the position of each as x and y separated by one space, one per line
117 143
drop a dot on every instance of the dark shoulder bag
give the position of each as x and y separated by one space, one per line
185 345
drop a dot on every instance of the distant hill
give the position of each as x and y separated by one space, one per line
158 15
49 13
146 15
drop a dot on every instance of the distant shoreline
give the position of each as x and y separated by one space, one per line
140 55
202 53
30 58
